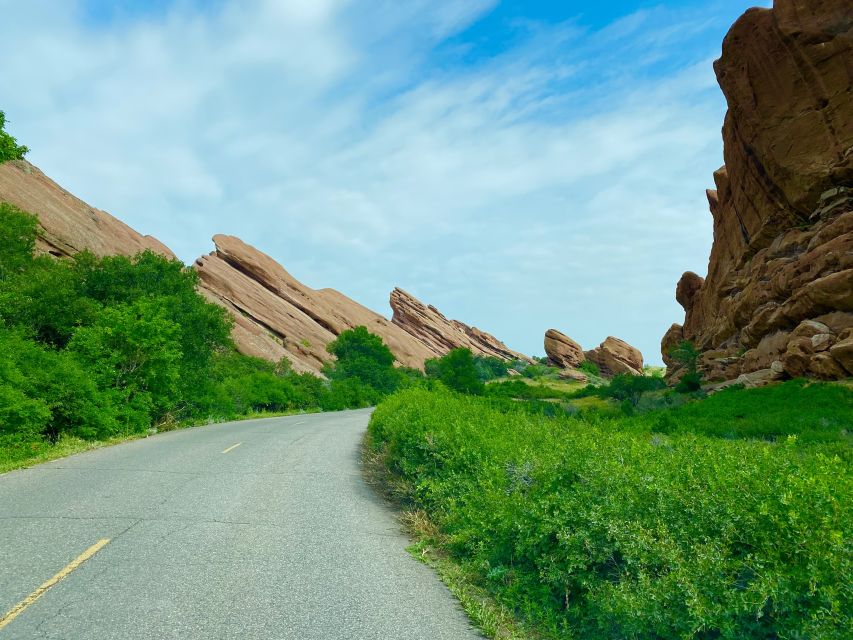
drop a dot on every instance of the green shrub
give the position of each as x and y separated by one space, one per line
9 147
590 368
589 529
458 371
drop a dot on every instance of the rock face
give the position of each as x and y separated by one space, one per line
428 326
562 351
69 225
783 204
614 356
277 316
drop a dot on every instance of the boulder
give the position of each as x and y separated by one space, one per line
842 351
614 356
825 367
562 351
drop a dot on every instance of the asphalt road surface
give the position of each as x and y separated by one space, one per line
277 537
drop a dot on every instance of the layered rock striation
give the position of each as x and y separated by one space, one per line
277 316
430 327
612 357
780 272
68 224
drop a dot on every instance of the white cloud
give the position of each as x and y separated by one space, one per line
557 184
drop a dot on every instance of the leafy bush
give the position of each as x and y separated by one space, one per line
596 530
363 356
457 370
590 368
9 147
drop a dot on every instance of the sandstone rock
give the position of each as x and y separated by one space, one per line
822 341
429 327
670 340
824 366
276 314
783 203
842 351
68 224
798 356
562 351
687 289
573 374
759 378
809 328
615 356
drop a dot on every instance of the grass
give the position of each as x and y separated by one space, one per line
600 527
20 455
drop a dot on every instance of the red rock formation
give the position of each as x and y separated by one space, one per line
562 351
429 326
783 206
614 356
275 315
69 225
278 316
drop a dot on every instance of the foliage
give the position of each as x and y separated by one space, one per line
363 356
598 528
457 370
9 147
590 368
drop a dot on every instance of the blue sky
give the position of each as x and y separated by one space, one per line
520 165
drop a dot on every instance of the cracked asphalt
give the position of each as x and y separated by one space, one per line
279 538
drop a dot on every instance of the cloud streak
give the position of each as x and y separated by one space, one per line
557 183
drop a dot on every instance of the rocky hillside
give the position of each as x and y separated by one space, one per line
69 225
778 297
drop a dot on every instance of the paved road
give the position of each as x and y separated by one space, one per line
279 538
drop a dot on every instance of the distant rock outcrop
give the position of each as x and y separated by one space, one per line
277 316
562 351
614 356
68 224
431 328
782 257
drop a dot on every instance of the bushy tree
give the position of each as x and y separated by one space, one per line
17 239
362 356
458 371
687 355
9 147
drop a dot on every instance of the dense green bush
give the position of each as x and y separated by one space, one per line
594 529
457 370
9 147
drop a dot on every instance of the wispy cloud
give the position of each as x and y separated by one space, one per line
557 183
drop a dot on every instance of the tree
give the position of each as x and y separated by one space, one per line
18 232
457 370
687 355
9 147
363 356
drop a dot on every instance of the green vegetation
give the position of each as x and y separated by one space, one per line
724 517
9 147
99 349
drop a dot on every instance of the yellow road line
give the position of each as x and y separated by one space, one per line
38 593
232 447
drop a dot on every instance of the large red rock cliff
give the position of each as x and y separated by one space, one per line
68 224
778 296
